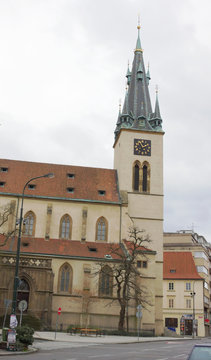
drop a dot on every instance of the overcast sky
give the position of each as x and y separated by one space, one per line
62 73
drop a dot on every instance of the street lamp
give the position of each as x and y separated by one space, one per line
16 280
193 325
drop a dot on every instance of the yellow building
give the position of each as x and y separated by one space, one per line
196 244
70 220
183 309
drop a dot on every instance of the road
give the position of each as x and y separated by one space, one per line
163 350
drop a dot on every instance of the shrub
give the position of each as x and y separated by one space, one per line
25 335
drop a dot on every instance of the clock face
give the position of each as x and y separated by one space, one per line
142 147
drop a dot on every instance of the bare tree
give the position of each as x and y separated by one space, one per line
6 232
124 276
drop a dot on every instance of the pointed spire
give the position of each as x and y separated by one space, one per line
128 75
148 75
157 107
138 42
125 109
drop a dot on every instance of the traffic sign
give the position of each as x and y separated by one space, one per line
59 311
139 314
22 306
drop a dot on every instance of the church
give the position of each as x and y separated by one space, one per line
70 221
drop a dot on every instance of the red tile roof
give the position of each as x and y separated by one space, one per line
130 248
86 181
179 265
59 247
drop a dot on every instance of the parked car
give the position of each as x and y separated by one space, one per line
200 352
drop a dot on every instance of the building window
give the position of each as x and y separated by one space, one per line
70 190
65 227
206 286
4 169
141 264
31 186
2 183
136 177
202 269
171 322
106 281
188 286
29 224
206 299
70 175
171 303
200 254
171 286
101 192
65 279
101 229
188 303
144 184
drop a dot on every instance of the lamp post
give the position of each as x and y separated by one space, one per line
194 325
16 279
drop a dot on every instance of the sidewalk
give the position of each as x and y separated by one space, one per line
77 340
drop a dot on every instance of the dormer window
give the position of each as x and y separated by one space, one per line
4 169
101 192
31 186
92 249
70 190
70 175
2 183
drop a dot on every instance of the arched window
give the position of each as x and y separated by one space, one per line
65 227
144 184
65 278
136 170
101 229
106 281
146 177
29 224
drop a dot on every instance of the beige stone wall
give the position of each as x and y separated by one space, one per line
48 224
124 159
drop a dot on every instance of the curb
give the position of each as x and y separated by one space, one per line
9 353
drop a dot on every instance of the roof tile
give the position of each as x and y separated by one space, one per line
182 265
86 182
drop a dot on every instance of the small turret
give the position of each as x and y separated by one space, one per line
128 75
156 121
148 75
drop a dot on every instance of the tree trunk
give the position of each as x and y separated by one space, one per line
121 318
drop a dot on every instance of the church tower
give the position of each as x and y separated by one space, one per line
138 159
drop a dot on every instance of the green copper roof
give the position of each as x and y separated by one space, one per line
137 103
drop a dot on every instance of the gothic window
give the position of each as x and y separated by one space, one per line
136 177
65 278
65 227
29 224
101 229
146 177
106 281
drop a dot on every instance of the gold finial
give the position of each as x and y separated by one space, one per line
156 89
139 26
